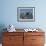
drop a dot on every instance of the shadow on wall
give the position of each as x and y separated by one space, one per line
2 26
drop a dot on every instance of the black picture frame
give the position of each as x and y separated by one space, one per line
26 14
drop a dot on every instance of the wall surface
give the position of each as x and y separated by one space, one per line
8 13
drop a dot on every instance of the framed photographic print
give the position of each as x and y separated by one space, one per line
26 14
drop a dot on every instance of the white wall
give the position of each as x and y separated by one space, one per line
9 13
